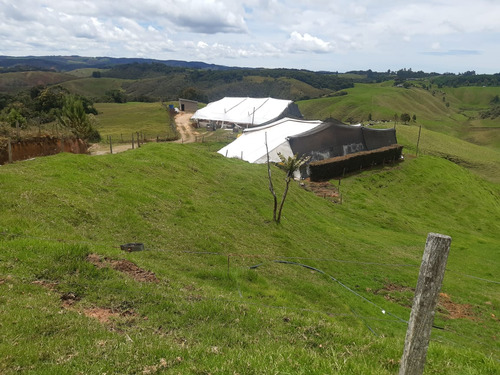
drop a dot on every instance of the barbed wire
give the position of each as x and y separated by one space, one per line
321 259
352 315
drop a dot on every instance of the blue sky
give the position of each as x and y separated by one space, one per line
335 35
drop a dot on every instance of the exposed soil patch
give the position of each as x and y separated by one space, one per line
404 295
41 146
104 315
51 285
323 189
454 310
124 266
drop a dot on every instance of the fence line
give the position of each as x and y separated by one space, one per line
388 317
161 137
239 255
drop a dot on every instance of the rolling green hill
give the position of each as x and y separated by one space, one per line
215 300
453 111
13 83
94 88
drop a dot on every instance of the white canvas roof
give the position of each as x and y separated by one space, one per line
252 111
251 145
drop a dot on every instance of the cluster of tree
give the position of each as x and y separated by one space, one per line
209 78
47 104
466 79
405 118
141 71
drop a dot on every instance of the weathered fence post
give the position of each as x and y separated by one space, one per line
132 141
437 248
9 149
418 140
110 145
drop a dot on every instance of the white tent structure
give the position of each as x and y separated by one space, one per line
246 112
251 145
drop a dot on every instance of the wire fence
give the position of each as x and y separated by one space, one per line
384 315
137 139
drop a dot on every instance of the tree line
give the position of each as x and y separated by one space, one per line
49 104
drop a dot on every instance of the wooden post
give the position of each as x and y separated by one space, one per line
132 141
418 140
9 149
138 141
429 283
110 145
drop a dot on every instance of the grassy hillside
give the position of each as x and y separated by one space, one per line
205 221
124 119
453 111
12 83
94 88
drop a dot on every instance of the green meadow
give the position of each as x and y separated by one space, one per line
222 289
120 120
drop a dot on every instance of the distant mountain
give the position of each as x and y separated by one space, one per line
68 63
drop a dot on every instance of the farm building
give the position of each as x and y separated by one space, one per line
251 145
334 138
245 112
186 105
316 139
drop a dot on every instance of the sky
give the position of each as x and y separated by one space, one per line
320 35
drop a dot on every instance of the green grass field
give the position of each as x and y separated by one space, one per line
121 120
219 301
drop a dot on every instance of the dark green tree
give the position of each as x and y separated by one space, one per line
73 117
405 118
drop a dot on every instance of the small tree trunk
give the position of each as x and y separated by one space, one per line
283 198
271 187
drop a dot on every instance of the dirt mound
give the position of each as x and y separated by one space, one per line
124 266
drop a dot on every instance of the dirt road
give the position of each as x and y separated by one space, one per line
186 132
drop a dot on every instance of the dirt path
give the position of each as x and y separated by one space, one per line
100 149
186 131
182 121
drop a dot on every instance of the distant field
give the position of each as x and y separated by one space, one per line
126 118
449 111
12 83
94 88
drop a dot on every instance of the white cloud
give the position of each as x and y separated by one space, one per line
263 32
307 43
